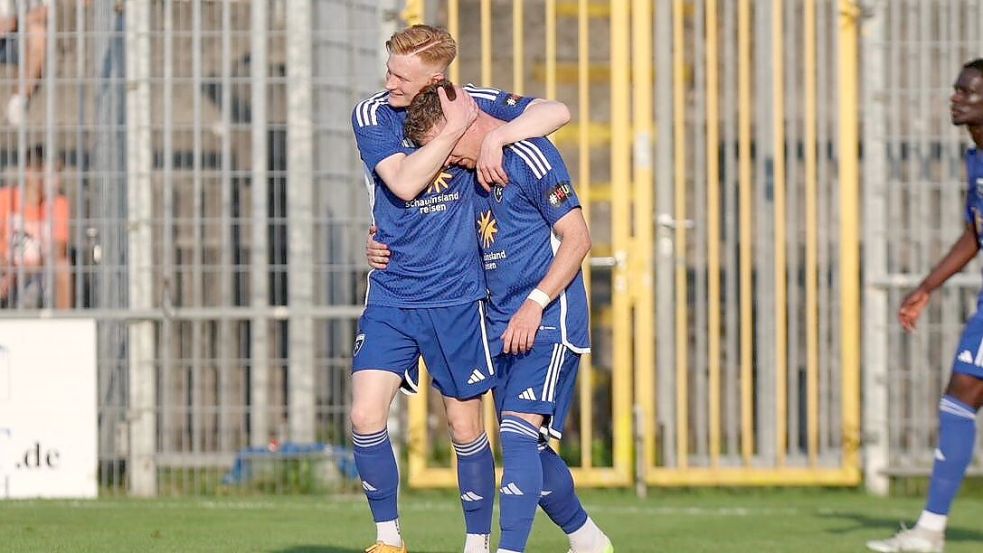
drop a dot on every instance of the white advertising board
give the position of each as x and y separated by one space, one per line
48 425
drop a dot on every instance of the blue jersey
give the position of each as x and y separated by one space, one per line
515 232
434 260
974 198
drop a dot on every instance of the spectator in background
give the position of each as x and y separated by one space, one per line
35 28
31 226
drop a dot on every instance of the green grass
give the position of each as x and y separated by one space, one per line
718 521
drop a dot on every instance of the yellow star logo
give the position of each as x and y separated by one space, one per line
440 183
487 228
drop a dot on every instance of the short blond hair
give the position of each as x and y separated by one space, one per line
434 45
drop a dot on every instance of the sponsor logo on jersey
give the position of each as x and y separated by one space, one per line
487 228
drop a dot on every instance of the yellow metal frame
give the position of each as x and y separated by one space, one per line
683 474
630 195
621 188
745 186
849 177
642 256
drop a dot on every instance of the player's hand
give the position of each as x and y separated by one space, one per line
489 166
521 332
911 308
459 112
376 253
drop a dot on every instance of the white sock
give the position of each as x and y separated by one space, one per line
507 551
588 539
476 543
388 533
932 521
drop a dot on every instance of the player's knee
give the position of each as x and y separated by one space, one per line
465 429
368 418
967 389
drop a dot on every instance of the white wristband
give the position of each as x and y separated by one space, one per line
540 297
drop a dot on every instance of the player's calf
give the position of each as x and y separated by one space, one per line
522 481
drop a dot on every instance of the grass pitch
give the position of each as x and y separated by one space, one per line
718 521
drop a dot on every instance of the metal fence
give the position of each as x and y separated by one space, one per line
204 205
225 297
914 193
712 141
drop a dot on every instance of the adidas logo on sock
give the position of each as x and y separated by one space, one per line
528 394
511 489
471 496
476 377
939 456
966 356
368 487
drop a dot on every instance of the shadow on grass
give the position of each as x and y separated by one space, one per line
318 549
862 521
335 549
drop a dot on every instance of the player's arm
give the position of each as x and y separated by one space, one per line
408 175
575 243
539 118
961 253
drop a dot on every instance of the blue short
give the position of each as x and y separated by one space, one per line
452 340
969 354
540 382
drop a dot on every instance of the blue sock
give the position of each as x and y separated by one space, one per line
522 482
560 501
380 477
476 480
957 433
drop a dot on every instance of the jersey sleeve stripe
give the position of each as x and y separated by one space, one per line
472 88
365 111
482 95
374 110
535 168
536 153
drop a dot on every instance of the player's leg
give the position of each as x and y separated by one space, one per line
372 394
524 398
382 355
475 470
559 498
957 434
522 479
456 351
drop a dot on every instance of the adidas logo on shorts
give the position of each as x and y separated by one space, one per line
528 394
476 377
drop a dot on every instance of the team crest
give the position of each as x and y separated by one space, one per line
499 193
359 341
979 186
512 100
560 194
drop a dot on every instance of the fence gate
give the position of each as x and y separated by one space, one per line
716 147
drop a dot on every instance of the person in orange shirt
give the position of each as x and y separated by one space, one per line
31 227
